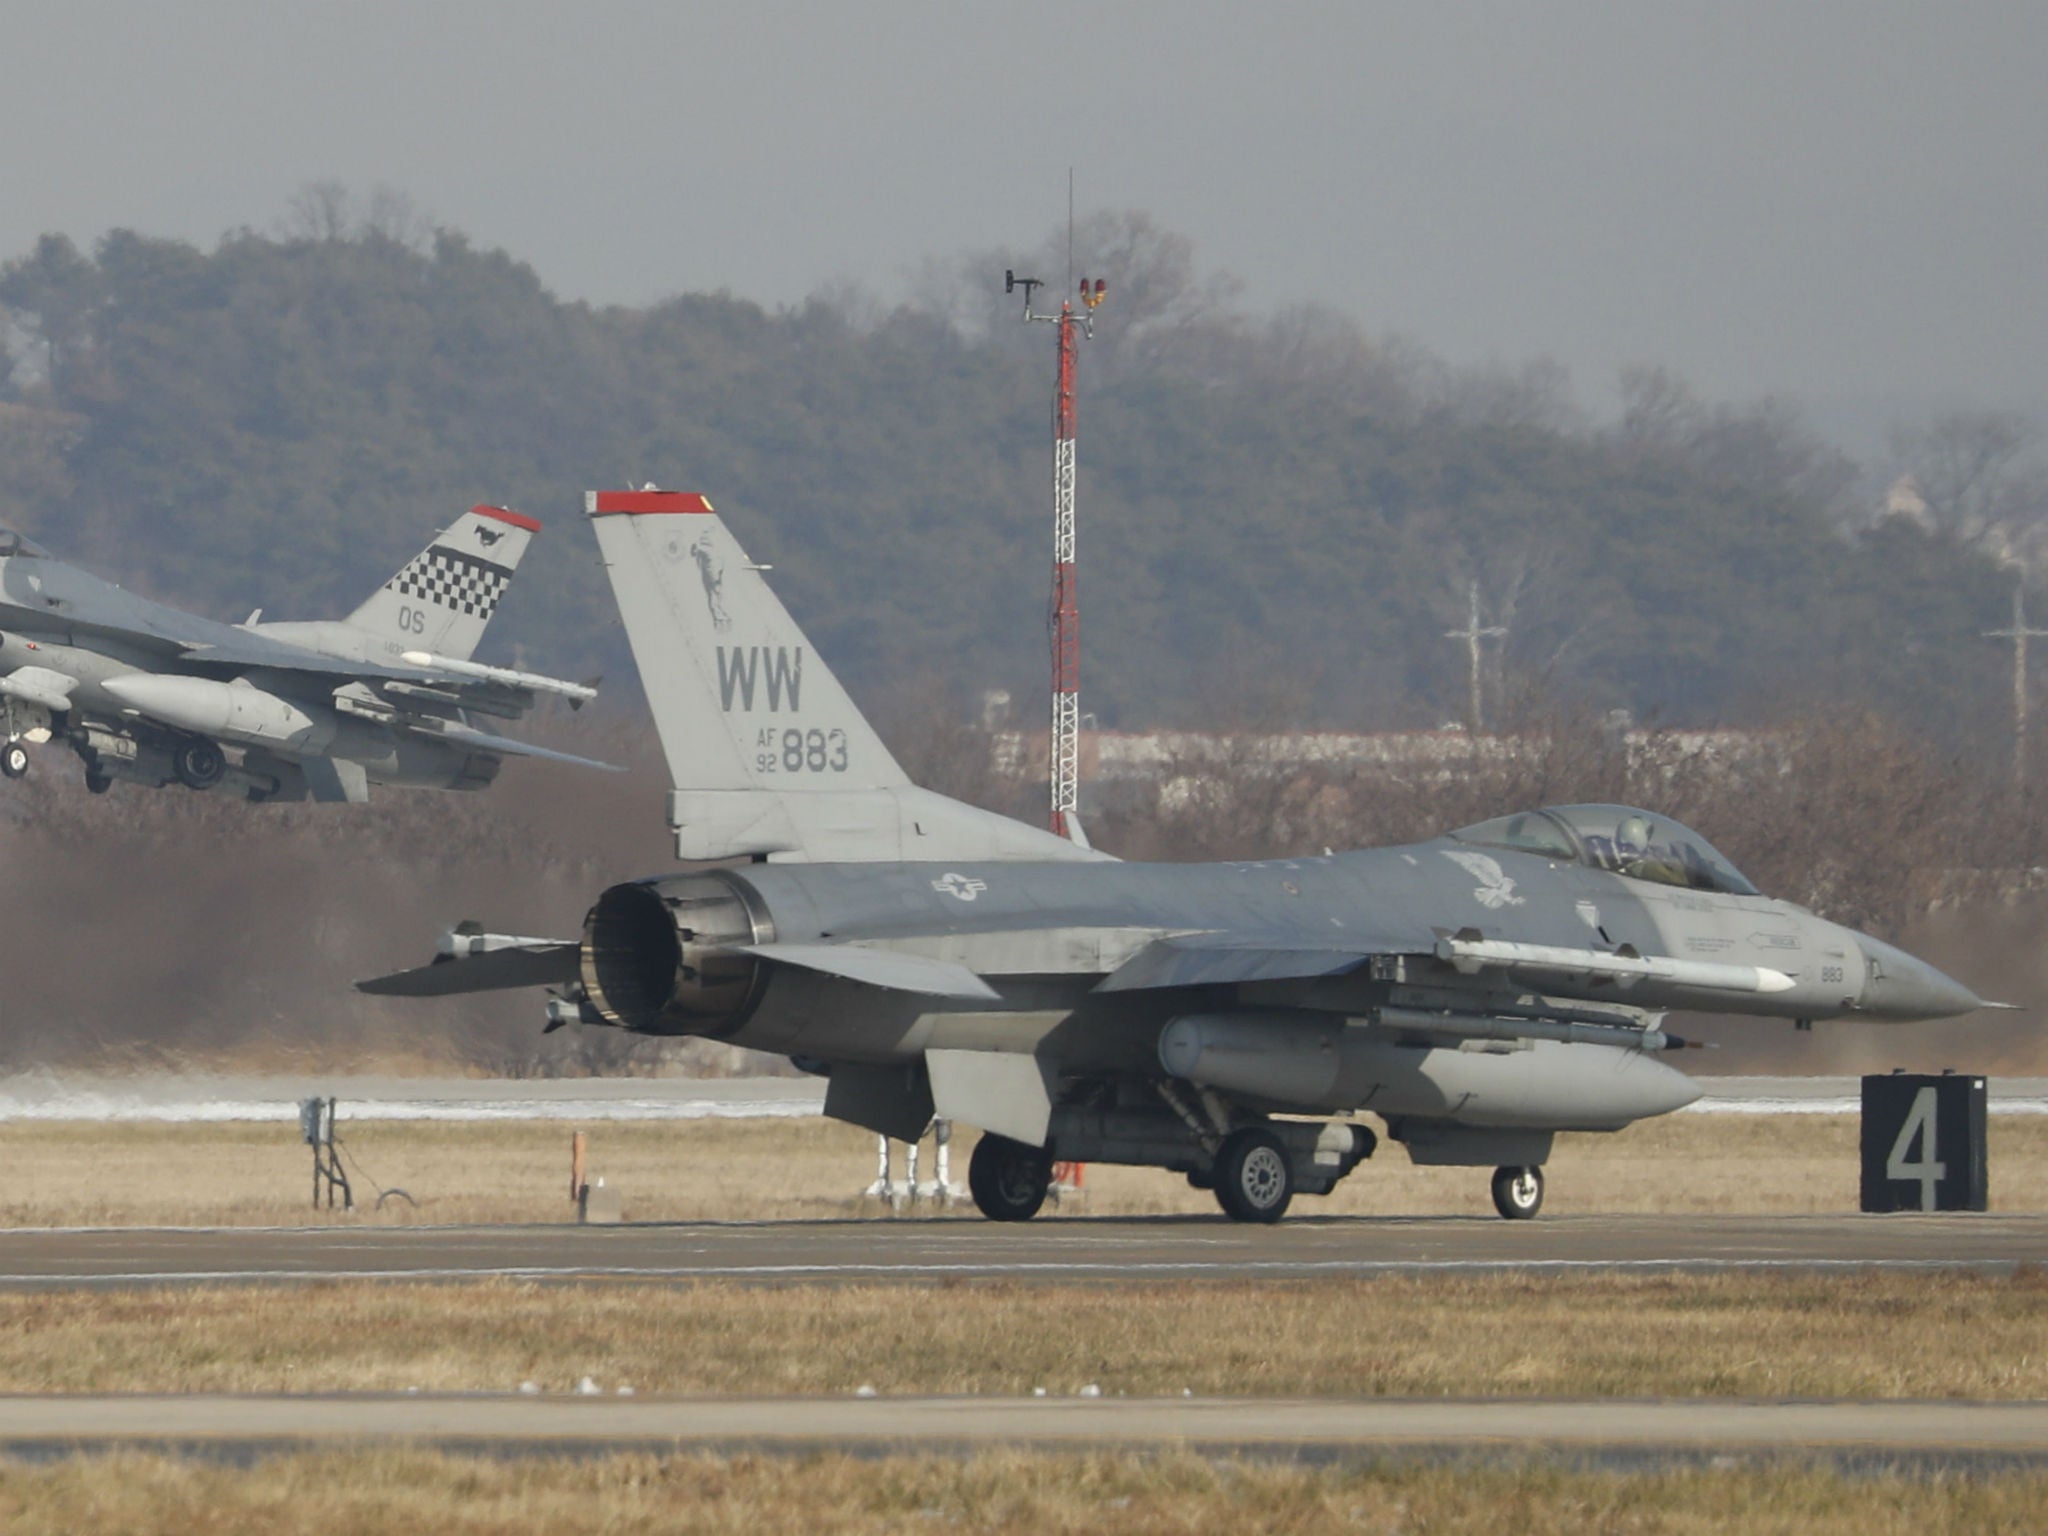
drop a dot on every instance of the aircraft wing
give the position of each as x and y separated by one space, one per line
418 696
1214 959
240 650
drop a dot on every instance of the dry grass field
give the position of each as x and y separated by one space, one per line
372 1493
1770 1335
1880 1335
244 1174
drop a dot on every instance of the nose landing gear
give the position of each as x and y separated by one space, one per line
1518 1192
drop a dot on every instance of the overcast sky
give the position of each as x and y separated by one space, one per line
1838 201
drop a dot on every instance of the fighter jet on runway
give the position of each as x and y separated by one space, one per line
1478 992
148 694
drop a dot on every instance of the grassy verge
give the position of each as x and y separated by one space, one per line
368 1493
1885 1335
68 1174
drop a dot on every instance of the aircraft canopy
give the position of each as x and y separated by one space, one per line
1616 838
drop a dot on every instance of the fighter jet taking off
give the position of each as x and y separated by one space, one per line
1478 992
147 694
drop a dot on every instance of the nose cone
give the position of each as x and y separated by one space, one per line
1900 988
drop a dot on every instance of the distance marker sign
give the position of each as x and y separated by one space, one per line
1923 1143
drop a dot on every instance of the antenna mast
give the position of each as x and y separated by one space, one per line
2019 635
1473 635
1064 749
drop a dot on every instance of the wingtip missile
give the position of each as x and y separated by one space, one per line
581 693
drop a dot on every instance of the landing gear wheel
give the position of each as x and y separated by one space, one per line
199 764
1254 1179
14 760
1008 1179
96 782
1518 1192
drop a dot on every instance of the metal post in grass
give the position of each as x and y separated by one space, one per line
316 1126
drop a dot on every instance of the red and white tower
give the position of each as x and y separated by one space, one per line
1064 745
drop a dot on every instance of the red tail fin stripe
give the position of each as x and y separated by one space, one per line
507 515
603 503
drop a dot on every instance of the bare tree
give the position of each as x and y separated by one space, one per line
1980 477
1764 447
321 212
1536 395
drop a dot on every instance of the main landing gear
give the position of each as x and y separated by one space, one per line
1254 1179
1008 1179
14 760
1518 1192
198 763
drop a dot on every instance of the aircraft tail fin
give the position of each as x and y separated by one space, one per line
769 755
441 599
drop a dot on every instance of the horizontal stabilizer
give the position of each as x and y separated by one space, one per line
1213 959
879 968
540 963
490 741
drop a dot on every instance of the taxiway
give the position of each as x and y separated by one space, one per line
1053 1250
239 1427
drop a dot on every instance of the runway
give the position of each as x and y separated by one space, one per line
1630 1432
186 1098
1922 1437
1055 1250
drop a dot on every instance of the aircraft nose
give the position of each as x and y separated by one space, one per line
1899 987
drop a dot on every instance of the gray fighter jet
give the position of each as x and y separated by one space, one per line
148 694
1478 992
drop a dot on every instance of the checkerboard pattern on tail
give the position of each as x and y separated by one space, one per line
452 579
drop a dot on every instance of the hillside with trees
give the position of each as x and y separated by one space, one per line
1280 516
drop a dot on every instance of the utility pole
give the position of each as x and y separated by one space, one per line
1472 634
1064 749
2019 635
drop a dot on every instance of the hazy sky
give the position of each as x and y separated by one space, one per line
1835 200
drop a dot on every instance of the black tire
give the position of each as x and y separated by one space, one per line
97 783
1518 1192
1008 1179
14 760
1254 1176
199 764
